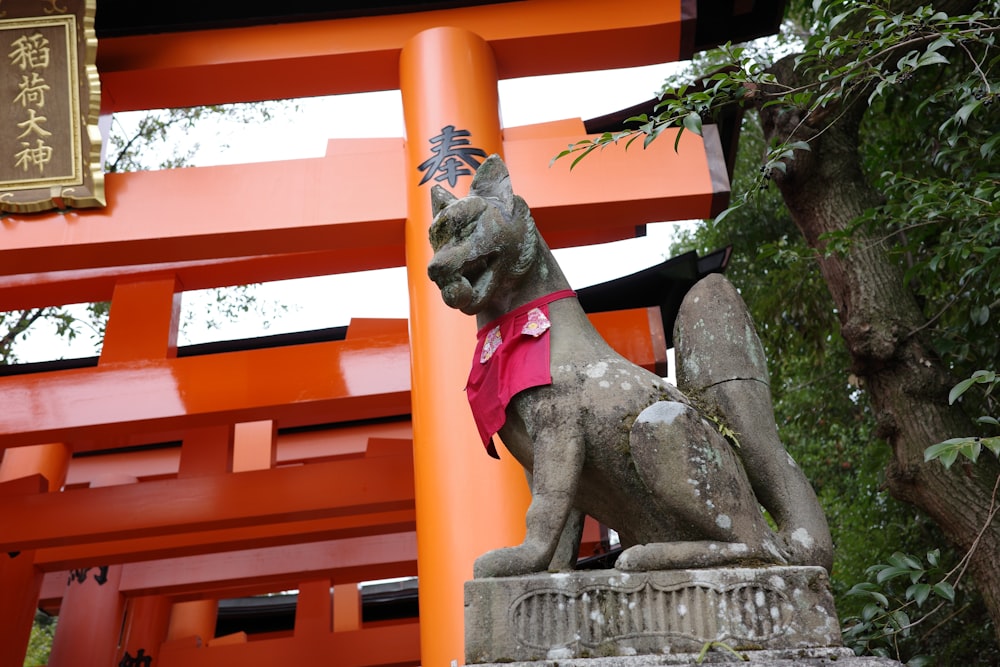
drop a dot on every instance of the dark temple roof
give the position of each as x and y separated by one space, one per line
720 20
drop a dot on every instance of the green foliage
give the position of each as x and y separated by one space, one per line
825 422
970 447
857 52
902 598
929 142
40 643
894 621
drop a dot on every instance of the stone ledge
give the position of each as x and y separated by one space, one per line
606 613
821 657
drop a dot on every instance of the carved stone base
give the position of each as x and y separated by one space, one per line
816 657
602 613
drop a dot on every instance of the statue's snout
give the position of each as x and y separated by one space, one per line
437 271
455 288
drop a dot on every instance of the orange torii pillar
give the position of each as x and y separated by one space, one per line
20 580
92 609
466 502
145 628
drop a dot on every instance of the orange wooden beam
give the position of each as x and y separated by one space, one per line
132 403
154 401
314 608
354 559
55 288
351 200
315 491
396 644
293 448
143 321
255 571
205 542
354 200
347 607
529 38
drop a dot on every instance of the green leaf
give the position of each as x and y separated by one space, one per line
899 620
838 18
869 590
899 559
892 572
945 590
960 389
870 611
940 43
692 122
918 593
946 451
984 376
971 449
989 146
931 58
966 110
726 212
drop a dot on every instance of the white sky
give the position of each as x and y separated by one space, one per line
331 301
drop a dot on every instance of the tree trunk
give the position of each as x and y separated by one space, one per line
881 323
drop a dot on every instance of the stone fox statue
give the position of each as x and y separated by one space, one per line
599 435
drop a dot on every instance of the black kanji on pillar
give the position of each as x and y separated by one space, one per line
140 659
452 156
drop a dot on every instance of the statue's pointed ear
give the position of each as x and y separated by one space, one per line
493 180
440 198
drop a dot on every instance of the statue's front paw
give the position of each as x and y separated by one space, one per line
507 562
634 559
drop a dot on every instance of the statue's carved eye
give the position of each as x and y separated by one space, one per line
464 229
457 222
450 229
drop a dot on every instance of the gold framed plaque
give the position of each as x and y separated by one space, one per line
50 144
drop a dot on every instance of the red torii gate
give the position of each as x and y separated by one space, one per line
229 490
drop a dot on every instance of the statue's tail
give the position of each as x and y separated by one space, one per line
721 366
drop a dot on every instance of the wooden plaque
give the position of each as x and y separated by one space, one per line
50 145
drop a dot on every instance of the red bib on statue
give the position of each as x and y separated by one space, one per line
512 354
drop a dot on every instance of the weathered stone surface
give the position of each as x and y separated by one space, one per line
601 437
603 613
821 657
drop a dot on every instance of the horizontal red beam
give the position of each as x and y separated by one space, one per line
292 448
206 542
314 491
134 402
354 201
262 570
354 559
314 58
55 288
396 644
145 402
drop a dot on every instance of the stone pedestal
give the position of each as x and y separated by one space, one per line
828 657
780 611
